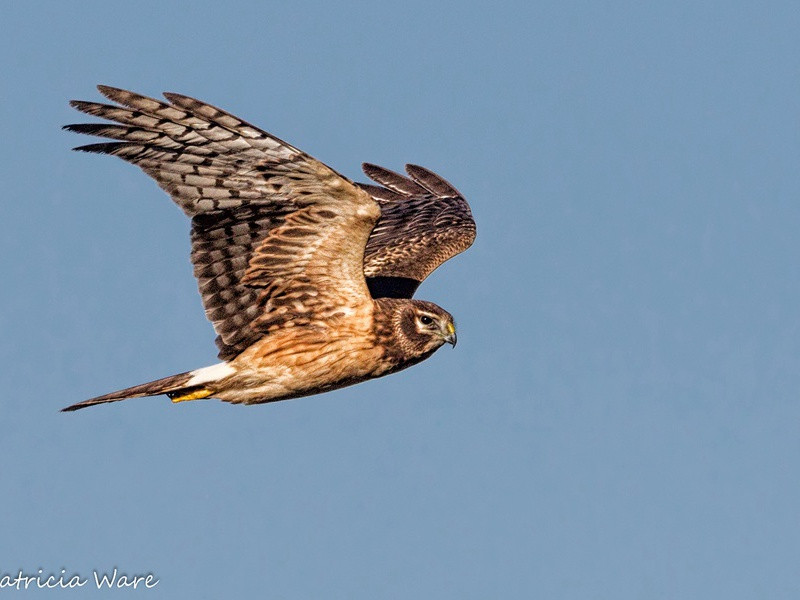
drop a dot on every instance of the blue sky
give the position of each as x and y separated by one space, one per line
620 418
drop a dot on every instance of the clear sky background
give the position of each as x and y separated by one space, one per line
621 418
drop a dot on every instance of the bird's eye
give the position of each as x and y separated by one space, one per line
425 320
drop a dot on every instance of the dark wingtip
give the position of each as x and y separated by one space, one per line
87 128
370 168
91 108
436 184
392 180
174 96
101 148
109 91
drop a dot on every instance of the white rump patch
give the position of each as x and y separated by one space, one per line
209 374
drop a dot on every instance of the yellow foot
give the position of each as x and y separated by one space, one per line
195 395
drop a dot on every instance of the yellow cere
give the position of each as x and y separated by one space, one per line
451 329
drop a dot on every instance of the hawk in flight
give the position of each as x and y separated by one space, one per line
306 276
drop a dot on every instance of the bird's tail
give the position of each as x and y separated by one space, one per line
191 385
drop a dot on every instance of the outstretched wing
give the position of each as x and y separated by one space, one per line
277 237
424 222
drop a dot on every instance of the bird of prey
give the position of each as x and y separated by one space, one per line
306 276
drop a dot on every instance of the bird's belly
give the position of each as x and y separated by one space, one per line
271 371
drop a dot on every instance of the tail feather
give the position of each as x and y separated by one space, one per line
175 385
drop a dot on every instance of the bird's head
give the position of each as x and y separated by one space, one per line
423 327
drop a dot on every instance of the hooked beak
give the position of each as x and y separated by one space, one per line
450 336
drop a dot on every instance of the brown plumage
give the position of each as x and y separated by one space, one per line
306 276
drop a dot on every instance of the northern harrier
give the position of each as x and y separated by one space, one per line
306 276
